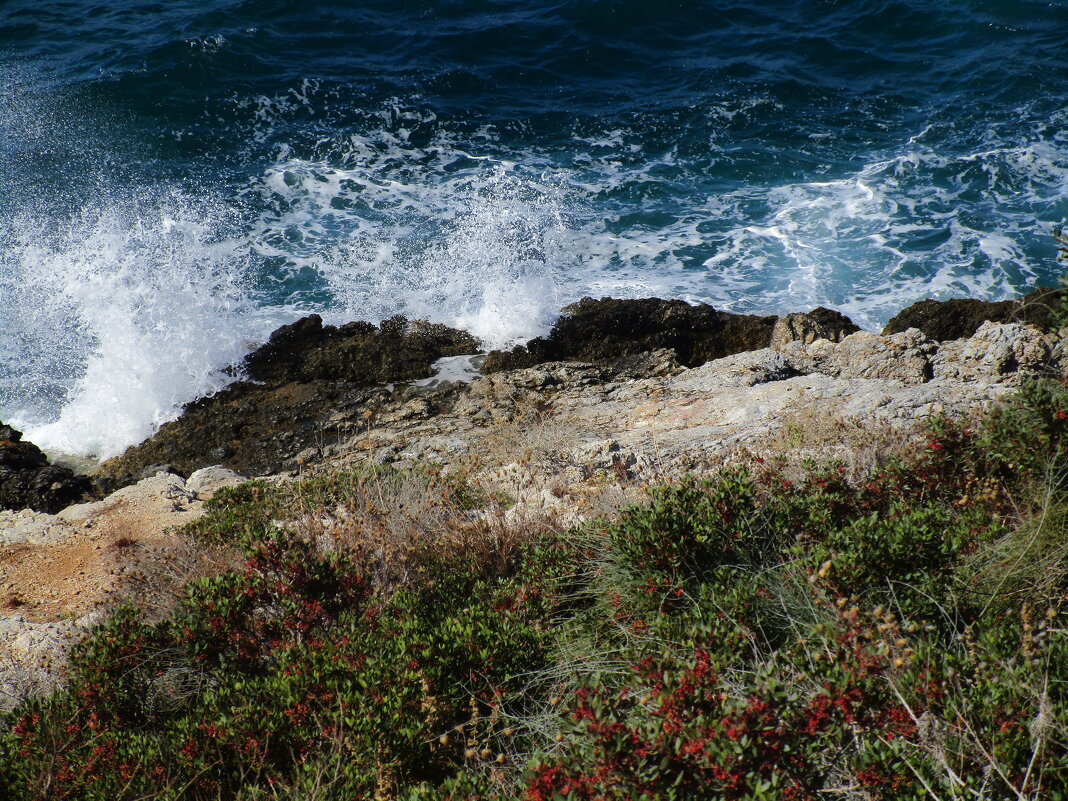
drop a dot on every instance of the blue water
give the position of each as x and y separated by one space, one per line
178 178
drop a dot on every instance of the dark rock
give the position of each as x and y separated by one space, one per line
28 481
220 453
836 325
608 329
944 320
307 380
820 323
153 469
359 353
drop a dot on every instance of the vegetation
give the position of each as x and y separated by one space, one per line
753 634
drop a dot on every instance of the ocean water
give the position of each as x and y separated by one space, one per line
179 178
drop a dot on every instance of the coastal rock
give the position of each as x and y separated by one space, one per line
820 323
905 357
600 331
314 406
608 329
996 352
305 375
28 481
359 352
206 481
738 370
944 320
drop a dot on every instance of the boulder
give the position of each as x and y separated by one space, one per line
944 320
28 481
608 329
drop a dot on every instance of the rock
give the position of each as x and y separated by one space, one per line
357 352
305 375
154 469
996 352
904 357
164 490
820 323
649 364
943 320
206 481
608 329
27 480
738 370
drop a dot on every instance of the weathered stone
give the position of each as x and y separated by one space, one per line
820 323
608 329
996 352
304 374
206 481
904 357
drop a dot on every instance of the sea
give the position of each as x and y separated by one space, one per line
180 177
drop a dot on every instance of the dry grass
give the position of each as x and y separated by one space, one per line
154 583
817 431
391 518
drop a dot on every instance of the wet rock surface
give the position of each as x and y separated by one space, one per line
306 387
28 481
944 320
606 329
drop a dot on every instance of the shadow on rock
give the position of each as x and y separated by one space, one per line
28 481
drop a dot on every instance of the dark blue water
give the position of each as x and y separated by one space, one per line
177 178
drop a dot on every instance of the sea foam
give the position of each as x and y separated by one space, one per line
118 318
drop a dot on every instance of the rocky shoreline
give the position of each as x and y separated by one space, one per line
619 395
312 388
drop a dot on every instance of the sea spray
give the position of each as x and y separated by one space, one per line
140 305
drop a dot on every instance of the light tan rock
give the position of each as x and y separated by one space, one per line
997 352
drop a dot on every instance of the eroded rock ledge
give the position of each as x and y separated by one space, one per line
311 391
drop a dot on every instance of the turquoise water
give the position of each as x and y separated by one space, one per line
177 179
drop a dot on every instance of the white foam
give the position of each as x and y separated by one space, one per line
477 251
453 369
115 317
142 304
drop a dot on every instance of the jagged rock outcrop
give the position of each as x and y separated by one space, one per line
997 353
944 320
567 422
28 481
305 375
316 389
904 357
358 353
607 329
